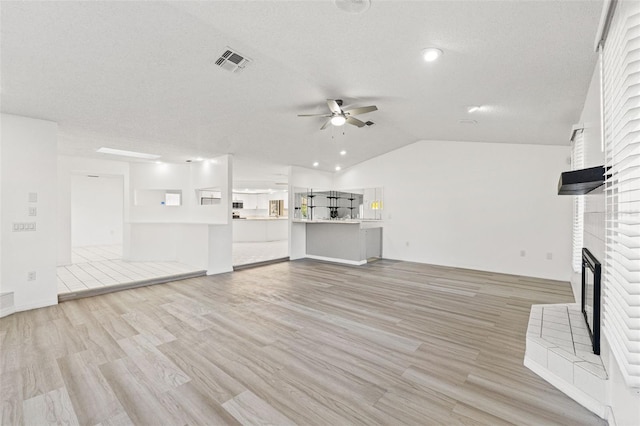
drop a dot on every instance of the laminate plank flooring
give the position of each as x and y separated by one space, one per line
301 342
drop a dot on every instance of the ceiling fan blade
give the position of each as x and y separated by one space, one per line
354 121
324 126
333 106
363 110
314 115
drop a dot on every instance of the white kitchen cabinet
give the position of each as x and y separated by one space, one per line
262 201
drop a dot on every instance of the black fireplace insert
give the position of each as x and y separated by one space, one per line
591 276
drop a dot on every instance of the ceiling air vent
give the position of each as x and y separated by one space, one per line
232 61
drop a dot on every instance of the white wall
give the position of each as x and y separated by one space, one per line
300 177
28 165
73 166
197 235
473 205
96 210
187 178
594 208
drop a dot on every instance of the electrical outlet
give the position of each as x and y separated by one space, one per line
31 276
407 243
24 226
523 253
549 256
33 211
33 197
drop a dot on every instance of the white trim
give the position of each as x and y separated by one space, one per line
575 129
219 271
609 417
336 260
7 311
567 388
37 304
603 25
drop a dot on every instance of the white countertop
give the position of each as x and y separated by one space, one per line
338 221
260 218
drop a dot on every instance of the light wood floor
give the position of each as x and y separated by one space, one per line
297 342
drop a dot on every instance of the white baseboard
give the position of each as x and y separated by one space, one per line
609 417
7 306
333 259
219 271
7 311
568 389
37 304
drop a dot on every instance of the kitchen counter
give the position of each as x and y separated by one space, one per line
344 241
260 229
260 218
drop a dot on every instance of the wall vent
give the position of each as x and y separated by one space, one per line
232 61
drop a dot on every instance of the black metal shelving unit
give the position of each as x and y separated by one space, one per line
351 199
310 206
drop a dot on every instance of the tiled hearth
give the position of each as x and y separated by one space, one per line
559 350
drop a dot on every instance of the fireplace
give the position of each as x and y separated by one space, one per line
591 275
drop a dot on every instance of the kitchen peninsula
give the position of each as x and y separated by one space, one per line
340 226
351 241
259 229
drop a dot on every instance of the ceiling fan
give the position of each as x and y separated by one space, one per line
338 116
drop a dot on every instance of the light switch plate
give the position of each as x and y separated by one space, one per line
33 197
33 211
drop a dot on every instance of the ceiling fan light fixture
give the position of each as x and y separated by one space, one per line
430 54
338 120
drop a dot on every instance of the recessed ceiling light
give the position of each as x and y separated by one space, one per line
343 152
316 164
473 108
430 54
353 6
466 121
159 162
128 153
338 168
338 120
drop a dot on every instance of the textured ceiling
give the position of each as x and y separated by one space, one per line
141 75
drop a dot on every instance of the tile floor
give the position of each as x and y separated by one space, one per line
558 342
564 329
245 253
100 266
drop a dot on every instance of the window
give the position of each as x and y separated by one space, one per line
172 198
621 97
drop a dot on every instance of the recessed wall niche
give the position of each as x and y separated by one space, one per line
157 197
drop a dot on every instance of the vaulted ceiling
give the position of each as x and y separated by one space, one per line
142 76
